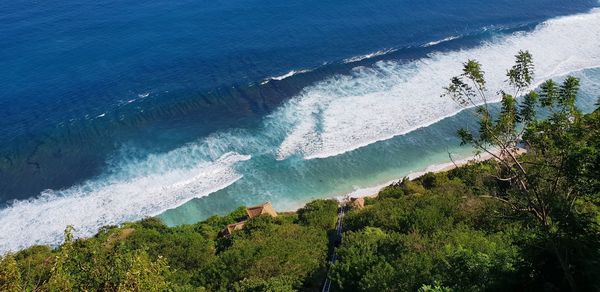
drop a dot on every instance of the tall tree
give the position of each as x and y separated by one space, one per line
559 170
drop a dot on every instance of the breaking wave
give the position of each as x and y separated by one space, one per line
345 112
450 38
369 56
284 76
162 182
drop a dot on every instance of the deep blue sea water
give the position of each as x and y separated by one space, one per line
116 110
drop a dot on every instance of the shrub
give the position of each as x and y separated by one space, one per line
319 213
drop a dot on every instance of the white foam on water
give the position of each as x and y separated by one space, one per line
450 38
286 75
173 179
369 56
345 112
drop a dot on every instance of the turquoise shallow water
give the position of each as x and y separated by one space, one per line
298 181
290 183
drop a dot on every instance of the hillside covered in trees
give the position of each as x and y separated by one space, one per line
524 221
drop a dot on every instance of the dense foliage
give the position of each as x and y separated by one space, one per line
284 253
432 230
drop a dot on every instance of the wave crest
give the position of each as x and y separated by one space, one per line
112 201
369 56
390 98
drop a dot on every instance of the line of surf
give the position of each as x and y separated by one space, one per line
284 76
433 43
375 103
113 200
369 56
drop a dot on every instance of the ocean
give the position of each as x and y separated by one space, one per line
112 111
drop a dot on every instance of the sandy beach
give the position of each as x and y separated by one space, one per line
374 191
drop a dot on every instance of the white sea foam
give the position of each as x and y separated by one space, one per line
286 75
171 181
369 56
346 112
429 44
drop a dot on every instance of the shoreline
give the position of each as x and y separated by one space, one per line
373 191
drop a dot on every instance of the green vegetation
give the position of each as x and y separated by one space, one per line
284 253
526 220
444 233
522 221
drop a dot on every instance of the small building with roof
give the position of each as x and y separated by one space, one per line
265 208
357 203
230 228
251 212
